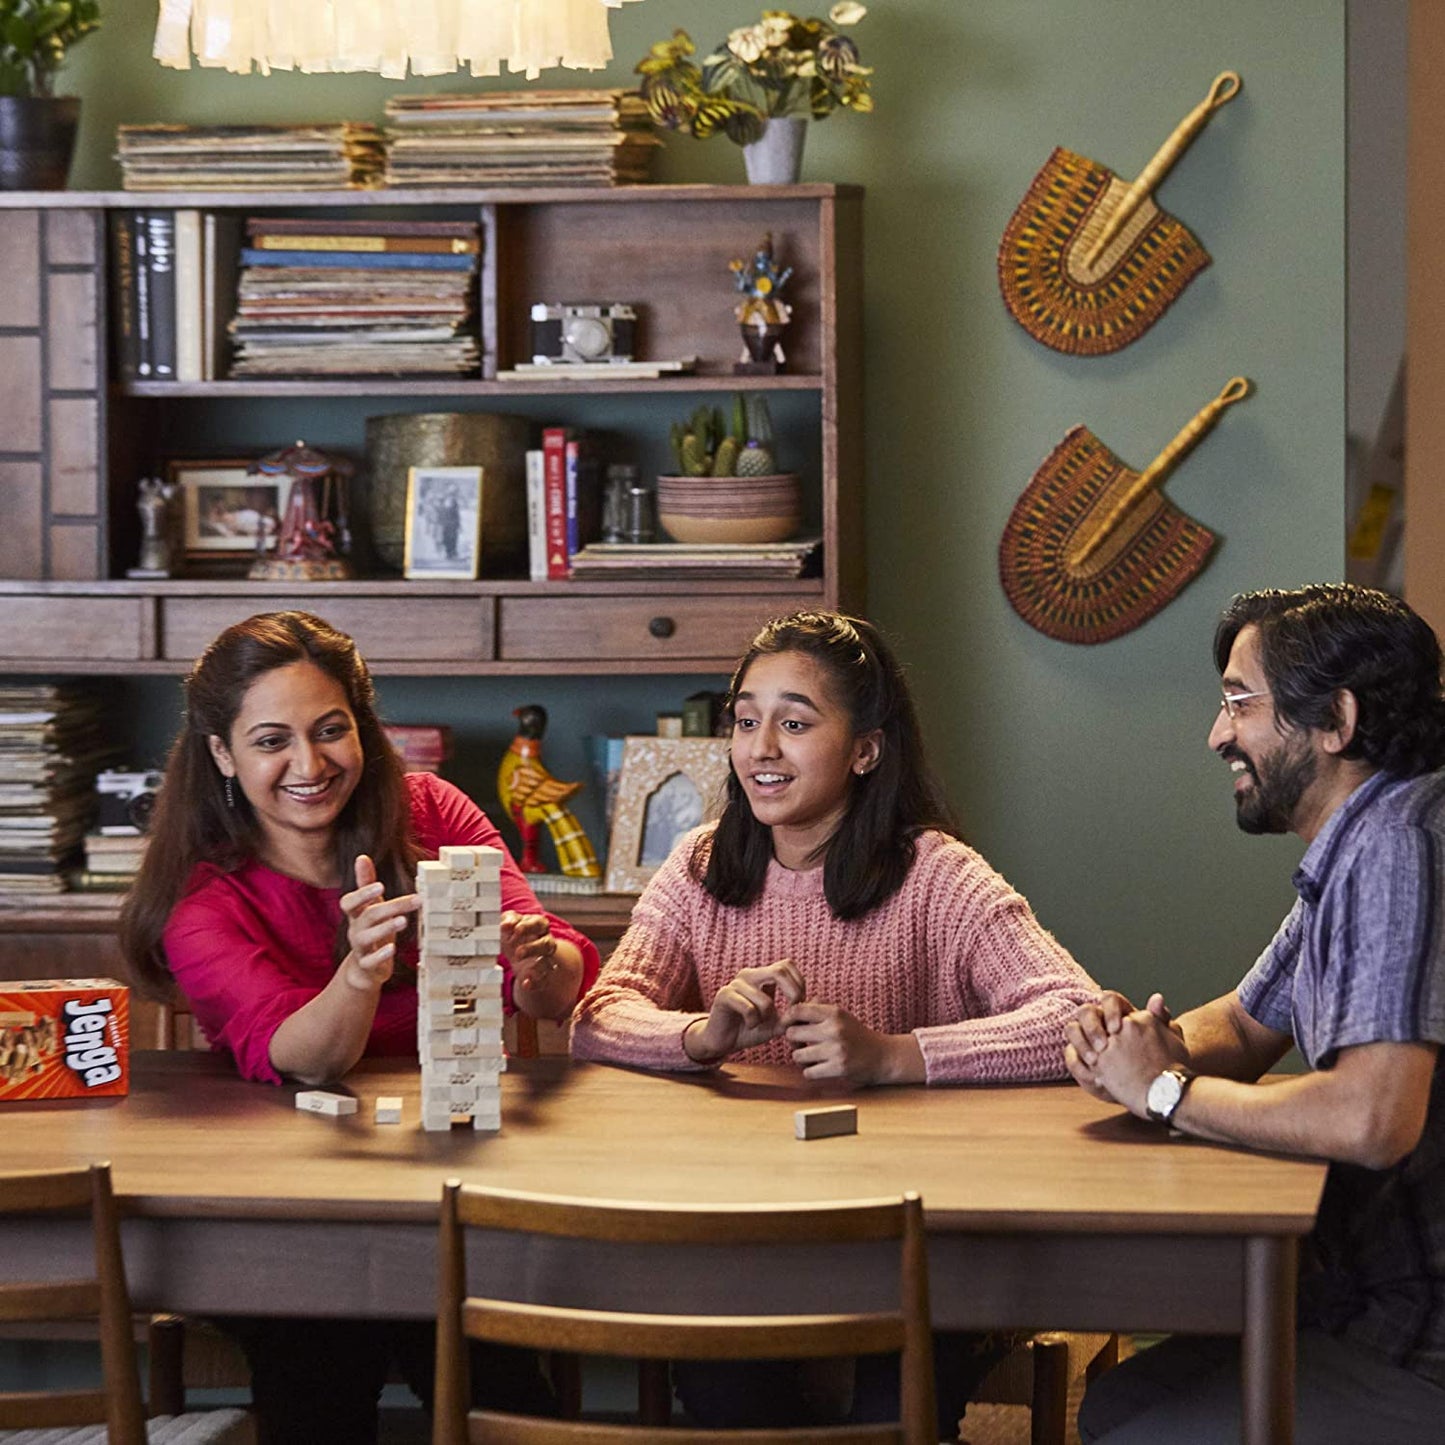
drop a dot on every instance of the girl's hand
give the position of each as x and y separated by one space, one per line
750 1010
829 1043
528 945
374 923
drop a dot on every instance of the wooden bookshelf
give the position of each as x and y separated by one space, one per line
77 439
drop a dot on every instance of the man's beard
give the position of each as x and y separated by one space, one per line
1279 784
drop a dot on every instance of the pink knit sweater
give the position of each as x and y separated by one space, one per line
955 957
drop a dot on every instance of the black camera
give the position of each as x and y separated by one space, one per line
566 335
126 801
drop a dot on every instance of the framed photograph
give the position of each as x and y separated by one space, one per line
443 522
225 509
667 786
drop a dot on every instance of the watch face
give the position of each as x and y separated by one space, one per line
1164 1095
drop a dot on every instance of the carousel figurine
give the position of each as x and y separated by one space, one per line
313 536
762 314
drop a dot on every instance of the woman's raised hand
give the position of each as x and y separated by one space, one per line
528 945
374 923
750 1010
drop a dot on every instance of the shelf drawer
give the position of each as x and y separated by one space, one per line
630 629
104 629
386 629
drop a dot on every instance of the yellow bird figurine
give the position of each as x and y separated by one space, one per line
534 797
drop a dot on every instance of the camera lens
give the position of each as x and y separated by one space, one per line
589 337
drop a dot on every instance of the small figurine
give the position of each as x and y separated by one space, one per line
762 314
152 502
314 534
533 796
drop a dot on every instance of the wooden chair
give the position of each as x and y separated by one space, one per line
115 1410
661 1337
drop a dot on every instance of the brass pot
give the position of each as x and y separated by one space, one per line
494 441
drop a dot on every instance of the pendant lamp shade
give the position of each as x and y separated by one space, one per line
433 37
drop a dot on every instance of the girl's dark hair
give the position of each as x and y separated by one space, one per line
1315 641
193 822
870 854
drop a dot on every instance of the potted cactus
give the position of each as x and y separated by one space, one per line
727 487
37 127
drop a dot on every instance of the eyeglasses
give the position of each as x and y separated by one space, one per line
1232 703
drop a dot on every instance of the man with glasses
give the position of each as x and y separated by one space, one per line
1333 725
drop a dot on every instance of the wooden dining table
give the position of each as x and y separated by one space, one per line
1044 1207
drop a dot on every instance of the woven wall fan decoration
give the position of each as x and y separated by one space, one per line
1093 549
1088 263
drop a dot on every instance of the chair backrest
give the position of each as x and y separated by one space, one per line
102 1297
672 1336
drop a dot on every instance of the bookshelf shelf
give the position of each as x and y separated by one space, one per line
78 437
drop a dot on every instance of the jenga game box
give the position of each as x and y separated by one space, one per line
62 1038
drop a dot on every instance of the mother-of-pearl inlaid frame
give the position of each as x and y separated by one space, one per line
648 821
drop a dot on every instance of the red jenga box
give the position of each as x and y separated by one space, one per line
63 1037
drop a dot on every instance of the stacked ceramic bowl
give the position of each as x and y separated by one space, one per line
730 509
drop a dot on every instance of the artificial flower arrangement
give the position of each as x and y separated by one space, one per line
782 66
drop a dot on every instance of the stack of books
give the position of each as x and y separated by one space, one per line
111 862
348 155
51 745
519 138
320 297
679 561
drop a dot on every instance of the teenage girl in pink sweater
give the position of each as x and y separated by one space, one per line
833 919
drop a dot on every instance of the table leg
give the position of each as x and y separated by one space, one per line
1267 1355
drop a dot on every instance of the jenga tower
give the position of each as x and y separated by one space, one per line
459 985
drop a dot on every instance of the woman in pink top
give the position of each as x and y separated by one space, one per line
277 895
831 918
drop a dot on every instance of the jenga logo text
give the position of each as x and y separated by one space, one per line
85 1049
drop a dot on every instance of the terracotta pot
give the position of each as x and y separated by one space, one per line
37 141
730 509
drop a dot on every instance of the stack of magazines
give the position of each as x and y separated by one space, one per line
713 561
519 138
249 157
51 745
319 297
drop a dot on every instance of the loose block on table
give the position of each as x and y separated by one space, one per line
318 1101
824 1123
388 1109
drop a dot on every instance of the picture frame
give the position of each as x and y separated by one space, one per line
222 507
667 786
443 523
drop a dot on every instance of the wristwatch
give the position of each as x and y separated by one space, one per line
1166 1093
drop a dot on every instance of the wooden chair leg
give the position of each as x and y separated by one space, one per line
1050 1409
566 1372
654 1392
1106 1359
165 1348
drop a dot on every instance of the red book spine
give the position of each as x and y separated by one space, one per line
554 490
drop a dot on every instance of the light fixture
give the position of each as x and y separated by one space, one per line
433 37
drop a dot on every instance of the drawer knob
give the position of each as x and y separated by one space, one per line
661 627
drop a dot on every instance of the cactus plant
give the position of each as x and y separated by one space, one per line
756 458
703 446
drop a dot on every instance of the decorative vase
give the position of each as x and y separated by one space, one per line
777 158
494 441
730 509
37 140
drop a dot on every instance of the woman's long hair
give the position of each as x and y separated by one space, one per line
869 855
195 823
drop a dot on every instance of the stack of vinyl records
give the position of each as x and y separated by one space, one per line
700 561
51 744
319 297
519 138
111 862
348 155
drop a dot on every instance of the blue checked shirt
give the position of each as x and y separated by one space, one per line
1361 959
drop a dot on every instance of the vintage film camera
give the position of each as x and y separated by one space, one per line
583 332
126 801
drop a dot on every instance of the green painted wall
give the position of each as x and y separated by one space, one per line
1082 773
